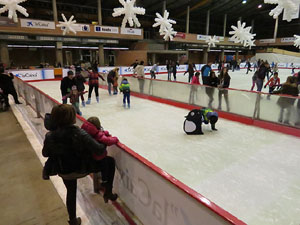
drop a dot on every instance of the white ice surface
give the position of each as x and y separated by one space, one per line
250 172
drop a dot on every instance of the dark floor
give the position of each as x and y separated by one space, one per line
25 197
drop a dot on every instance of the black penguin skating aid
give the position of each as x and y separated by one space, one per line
193 122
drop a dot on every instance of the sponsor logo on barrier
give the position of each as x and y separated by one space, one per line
161 209
180 35
267 41
287 40
40 24
105 29
27 75
131 31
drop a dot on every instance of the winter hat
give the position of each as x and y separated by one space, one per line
70 72
95 121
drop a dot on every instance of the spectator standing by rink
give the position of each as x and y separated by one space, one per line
94 83
154 70
195 79
134 65
205 71
169 68
66 85
224 80
174 69
248 64
286 103
262 71
213 83
190 71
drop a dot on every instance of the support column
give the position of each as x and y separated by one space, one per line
276 29
187 20
225 24
54 8
164 7
153 58
207 22
205 55
222 55
99 13
4 54
236 55
101 55
59 53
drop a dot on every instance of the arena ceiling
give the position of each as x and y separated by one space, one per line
85 11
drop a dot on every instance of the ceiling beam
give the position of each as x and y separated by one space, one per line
201 3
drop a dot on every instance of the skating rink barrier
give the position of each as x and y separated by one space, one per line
257 106
153 195
42 74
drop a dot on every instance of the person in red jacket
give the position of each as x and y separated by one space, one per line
195 79
93 128
273 83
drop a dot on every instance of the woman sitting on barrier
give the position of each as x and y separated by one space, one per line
70 150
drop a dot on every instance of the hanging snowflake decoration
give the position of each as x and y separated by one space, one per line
12 6
163 22
212 41
166 26
68 25
297 41
290 9
129 11
169 33
242 35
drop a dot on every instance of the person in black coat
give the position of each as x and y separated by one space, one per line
213 82
7 86
66 85
70 150
224 80
79 81
262 72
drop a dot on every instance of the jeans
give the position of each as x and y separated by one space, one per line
126 96
109 84
259 83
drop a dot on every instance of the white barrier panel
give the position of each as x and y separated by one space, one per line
28 75
65 72
155 200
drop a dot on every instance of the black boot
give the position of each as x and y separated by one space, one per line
76 221
108 195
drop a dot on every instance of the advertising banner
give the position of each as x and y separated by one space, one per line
267 41
80 28
38 24
106 29
6 22
131 31
287 40
28 75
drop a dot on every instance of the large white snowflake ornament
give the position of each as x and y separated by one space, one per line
169 33
241 34
69 25
12 6
297 41
290 9
211 41
129 10
164 22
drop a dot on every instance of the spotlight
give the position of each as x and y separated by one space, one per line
259 6
244 1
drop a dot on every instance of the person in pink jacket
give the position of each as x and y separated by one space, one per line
195 79
93 127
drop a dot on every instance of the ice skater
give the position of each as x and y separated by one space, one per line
74 98
94 83
125 88
273 83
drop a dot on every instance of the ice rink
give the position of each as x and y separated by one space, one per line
250 172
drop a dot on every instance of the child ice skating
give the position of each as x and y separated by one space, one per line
193 122
273 83
74 98
125 88
94 84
